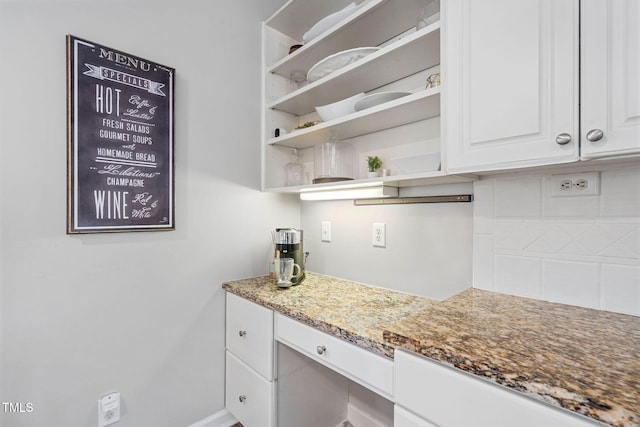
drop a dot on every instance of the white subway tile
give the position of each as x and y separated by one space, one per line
597 238
620 193
582 251
516 235
483 207
483 262
627 246
567 206
519 197
552 240
518 276
574 283
621 289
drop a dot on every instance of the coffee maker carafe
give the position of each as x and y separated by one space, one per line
289 245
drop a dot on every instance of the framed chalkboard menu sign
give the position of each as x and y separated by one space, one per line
120 141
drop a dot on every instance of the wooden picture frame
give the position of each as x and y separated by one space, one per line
120 141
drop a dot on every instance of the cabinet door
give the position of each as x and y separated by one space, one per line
451 398
610 77
249 397
510 83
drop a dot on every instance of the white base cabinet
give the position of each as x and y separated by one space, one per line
249 394
446 397
312 379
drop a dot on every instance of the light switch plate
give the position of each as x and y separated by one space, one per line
325 235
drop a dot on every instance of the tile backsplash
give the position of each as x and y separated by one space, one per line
581 251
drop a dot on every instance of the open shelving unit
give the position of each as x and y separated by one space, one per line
405 58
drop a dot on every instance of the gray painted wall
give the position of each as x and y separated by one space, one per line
429 246
138 313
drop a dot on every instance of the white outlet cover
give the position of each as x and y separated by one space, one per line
379 235
592 188
108 409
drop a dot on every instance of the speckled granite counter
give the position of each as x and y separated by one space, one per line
584 360
352 311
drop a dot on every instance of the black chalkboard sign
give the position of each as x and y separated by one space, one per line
120 141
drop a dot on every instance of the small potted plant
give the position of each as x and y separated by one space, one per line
374 164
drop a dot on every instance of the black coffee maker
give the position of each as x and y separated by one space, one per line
289 245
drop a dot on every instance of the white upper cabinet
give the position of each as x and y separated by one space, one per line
610 75
515 95
511 79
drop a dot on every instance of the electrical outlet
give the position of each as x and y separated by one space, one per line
109 409
379 235
325 235
575 184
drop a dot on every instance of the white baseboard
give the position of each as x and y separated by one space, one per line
219 419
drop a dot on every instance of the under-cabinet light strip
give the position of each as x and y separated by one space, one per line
377 192
465 198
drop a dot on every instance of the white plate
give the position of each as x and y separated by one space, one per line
329 21
377 99
338 60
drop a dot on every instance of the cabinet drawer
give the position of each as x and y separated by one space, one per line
248 396
404 418
362 366
250 334
451 398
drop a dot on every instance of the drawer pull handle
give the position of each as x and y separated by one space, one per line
242 333
242 398
321 349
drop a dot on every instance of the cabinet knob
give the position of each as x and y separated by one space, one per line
242 398
595 135
563 139
321 349
242 333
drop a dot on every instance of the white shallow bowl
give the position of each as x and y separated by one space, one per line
338 60
421 163
377 99
338 109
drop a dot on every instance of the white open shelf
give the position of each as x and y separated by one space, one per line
295 17
408 109
414 53
374 23
406 180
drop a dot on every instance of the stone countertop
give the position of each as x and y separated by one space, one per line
584 360
355 312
